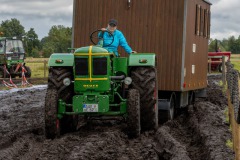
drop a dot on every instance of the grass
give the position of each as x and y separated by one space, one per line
37 67
229 143
226 115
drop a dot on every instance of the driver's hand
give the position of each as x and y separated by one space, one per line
133 52
103 29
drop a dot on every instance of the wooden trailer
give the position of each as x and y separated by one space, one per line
176 30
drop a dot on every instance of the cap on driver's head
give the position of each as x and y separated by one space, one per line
113 22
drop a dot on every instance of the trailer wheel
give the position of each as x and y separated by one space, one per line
28 73
55 80
145 81
52 123
133 111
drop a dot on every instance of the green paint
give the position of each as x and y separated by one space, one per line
66 58
142 59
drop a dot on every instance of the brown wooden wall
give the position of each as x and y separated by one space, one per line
199 58
153 26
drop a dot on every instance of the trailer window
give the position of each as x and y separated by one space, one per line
202 21
205 22
198 20
209 24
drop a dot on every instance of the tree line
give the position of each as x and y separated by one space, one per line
231 44
58 39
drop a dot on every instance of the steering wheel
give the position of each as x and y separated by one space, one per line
95 35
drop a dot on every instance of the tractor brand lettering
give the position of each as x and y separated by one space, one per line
90 86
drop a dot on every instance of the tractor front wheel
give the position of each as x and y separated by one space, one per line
55 82
133 111
52 123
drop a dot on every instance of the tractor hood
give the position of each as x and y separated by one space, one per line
95 49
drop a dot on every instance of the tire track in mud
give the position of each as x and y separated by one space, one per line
200 133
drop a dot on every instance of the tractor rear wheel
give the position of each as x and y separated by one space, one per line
145 81
133 111
52 126
55 81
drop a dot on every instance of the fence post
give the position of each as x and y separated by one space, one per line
45 66
223 71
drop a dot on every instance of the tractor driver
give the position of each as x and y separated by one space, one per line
119 39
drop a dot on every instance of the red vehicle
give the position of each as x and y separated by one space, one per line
216 59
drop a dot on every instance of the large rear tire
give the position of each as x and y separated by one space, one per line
145 81
133 111
55 81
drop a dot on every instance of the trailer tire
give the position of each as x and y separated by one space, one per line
52 123
133 111
145 80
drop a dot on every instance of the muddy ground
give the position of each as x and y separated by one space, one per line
198 133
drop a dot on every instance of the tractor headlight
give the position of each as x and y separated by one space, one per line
128 80
9 58
66 81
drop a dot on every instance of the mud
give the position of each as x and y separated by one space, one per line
199 132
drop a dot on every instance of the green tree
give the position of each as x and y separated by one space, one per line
12 28
58 40
31 43
233 46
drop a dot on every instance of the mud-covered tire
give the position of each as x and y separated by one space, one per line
28 73
52 126
55 81
145 81
133 111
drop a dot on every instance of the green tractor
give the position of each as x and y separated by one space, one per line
93 83
12 56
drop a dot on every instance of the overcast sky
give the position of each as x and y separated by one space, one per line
43 14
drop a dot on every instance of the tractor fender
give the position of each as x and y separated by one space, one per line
142 59
61 59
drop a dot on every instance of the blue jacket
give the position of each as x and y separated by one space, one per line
119 40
